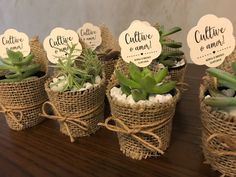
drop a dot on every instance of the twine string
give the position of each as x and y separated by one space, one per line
225 141
64 119
134 131
10 113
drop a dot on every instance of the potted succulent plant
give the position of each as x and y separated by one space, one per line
142 106
171 56
218 115
76 93
22 87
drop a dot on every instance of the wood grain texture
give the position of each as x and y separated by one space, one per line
43 151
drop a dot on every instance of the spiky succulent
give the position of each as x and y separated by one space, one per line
169 57
140 84
18 67
224 79
77 71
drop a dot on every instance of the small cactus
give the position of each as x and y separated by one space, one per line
169 58
141 84
18 67
225 79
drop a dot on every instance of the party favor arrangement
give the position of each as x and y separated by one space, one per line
142 74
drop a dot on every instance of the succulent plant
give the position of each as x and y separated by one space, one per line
224 79
169 58
18 67
77 71
140 84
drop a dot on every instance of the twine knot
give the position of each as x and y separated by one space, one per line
75 120
120 127
10 113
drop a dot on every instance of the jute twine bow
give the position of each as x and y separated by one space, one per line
10 113
225 141
75 120
141 129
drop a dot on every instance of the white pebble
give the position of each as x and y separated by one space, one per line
55 80
130 100
208 96
55 88
88 85
98 79
82 89
228 92
117 94
62 84
61 77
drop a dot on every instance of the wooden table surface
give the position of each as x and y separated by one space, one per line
43 151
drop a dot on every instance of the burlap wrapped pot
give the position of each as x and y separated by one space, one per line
21 101
218 136
145 130
77 112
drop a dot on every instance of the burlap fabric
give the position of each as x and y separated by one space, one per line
226 65
143 131
108 42
218 136
109 67
79 112
21 101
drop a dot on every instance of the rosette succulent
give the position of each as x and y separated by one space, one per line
141 83
18 67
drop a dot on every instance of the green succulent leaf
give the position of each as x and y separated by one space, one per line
25 61
234 67
126 90
14 56
171 31
146 72
168 63
148 83
135 72
160 75
227 84
164 88
216 93
138 95
220 101
222 75
172 44
173 53
6 61
127 82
